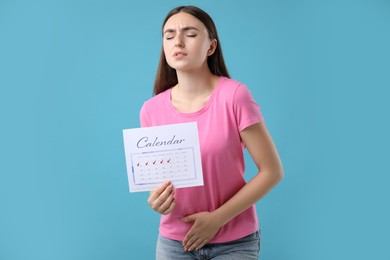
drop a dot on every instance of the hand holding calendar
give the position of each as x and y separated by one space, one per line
160 153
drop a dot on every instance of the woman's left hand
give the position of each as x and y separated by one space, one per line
205 227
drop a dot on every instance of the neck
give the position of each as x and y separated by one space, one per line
194 84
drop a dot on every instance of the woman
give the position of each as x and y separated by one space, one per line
217 220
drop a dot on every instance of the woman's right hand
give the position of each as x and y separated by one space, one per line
162 199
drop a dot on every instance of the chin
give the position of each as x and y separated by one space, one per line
183 67
180 67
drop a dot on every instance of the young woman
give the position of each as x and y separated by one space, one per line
217 220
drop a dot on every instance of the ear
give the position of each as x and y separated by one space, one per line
213 47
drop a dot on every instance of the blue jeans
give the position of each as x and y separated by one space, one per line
245 248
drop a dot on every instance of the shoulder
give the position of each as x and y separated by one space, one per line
244 107
230 84
154 105
234 89
155 101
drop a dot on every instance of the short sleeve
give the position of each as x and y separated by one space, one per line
246 110
143 116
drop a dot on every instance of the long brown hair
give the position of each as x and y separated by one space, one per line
166 76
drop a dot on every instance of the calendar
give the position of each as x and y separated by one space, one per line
159 166
157 154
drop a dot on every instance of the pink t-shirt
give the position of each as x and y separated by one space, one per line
230 109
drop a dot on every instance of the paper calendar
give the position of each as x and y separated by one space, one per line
157 154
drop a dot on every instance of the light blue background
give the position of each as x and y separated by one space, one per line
73 74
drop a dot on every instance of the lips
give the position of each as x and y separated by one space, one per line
179 54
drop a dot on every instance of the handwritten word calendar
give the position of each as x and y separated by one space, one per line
157 154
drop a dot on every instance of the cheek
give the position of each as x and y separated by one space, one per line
165 47
202 45
167 54
166 51
202 49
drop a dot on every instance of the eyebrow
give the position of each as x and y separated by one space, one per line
187 28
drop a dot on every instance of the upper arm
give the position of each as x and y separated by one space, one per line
246 109
262 149
143 116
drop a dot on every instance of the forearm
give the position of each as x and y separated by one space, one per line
249 194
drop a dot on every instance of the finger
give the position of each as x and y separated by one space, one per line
191 232
167 193
166 203
156 201
202 244
195 244
190 218
157 192
171 207
187 238
190 241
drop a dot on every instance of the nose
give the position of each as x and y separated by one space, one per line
179 41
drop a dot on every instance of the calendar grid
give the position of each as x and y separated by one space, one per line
157 166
